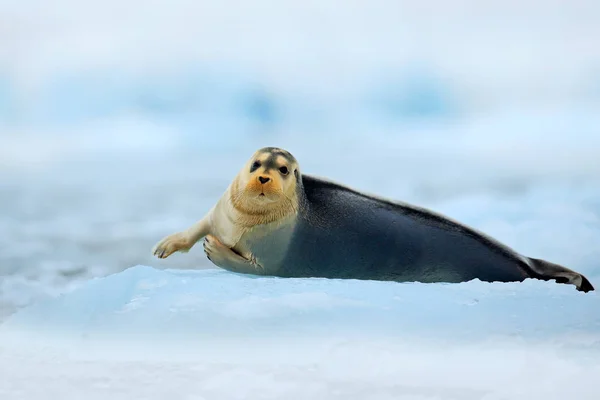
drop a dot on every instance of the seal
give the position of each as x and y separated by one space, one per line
273 220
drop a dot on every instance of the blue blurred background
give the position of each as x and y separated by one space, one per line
121 122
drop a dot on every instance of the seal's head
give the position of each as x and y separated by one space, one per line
267 183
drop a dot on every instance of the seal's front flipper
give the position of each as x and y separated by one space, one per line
222 256
547 271
182 241
170 244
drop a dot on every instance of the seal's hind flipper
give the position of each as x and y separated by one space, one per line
547 271
586 285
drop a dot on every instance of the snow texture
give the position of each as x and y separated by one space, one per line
148 334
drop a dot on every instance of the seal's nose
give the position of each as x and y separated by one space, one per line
263 179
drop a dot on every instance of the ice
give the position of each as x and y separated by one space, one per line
145 332
215 303
123 122
77 60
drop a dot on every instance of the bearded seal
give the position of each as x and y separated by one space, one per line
273 220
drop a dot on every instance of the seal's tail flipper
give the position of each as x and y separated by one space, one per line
548 271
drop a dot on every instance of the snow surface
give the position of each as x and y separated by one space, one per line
121 122
149 334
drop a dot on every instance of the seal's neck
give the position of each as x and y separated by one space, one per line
251 213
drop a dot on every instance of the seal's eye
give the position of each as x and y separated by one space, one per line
255 166
283 170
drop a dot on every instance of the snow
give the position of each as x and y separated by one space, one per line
147 333
215 303
123 122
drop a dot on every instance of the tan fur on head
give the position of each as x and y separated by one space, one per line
265 189
246 203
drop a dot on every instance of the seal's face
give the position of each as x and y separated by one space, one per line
266 189
270 176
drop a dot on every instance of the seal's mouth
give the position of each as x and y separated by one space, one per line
264 198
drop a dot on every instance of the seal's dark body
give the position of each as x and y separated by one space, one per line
341 233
